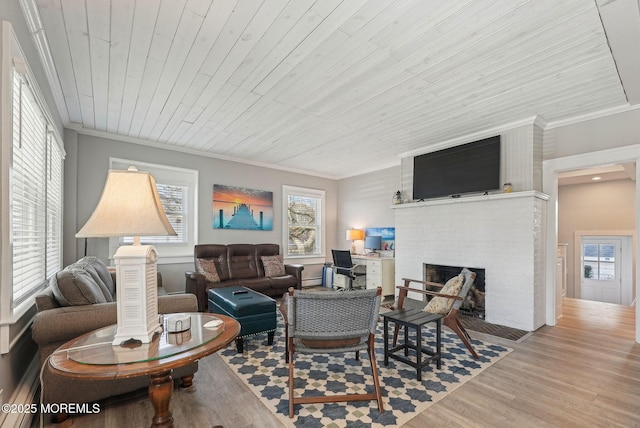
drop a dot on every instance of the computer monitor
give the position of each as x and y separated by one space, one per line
373 243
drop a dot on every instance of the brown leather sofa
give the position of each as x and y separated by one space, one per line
79 300
240 264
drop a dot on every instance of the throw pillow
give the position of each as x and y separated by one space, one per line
207 267
74 287
441 305
100 274
273 265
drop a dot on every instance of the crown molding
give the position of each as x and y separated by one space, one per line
485 133
34 22
391 164
536 120
591 116
181 149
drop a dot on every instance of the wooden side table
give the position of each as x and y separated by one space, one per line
93 357
414 319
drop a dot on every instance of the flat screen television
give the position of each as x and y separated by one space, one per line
468 168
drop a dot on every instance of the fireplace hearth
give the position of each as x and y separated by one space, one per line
474 304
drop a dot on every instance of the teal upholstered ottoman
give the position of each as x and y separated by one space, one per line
255 312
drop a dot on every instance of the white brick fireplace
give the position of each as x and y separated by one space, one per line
502 233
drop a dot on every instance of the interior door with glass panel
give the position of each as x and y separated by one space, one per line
601 259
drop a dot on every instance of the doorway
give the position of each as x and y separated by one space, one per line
594 210
551 170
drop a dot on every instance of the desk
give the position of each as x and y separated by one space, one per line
93 357
381 272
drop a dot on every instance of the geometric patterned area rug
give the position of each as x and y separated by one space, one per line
264 371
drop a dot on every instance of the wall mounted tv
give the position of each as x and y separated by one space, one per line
468 168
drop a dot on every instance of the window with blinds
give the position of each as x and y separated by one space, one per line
36 195
304 225
174 200
178 189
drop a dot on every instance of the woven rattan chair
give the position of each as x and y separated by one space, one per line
328 322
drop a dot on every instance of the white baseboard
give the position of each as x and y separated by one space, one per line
310 282
24 395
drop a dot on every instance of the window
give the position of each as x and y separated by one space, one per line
36 195
31 174
599 261
175 200
303 225
177 189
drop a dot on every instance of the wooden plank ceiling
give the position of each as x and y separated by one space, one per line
329 87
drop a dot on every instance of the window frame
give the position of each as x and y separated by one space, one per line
169 252
12 60
599 260
287 191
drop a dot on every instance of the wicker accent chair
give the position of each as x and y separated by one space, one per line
326 322
444 302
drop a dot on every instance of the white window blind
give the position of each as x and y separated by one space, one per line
36 195
54 206
174 200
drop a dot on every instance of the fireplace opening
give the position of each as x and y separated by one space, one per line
474 303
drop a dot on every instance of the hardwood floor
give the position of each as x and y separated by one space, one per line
584 372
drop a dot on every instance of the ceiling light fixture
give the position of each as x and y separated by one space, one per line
596 178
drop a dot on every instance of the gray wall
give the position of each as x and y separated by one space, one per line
604 206
365 201
608 132
91 156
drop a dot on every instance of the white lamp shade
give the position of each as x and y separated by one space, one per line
129 206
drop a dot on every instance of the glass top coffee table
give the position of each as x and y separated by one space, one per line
93 357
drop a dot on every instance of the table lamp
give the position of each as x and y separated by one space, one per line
130 206
354 235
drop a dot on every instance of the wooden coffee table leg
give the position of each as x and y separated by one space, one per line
160 389
186 381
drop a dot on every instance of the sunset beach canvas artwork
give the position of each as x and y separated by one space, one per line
242 208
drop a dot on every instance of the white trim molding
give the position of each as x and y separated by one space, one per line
485 133
32 17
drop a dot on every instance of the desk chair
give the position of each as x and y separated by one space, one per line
343 265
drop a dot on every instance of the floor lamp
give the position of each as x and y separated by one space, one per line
130 206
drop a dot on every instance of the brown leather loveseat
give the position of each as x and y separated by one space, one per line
256 266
